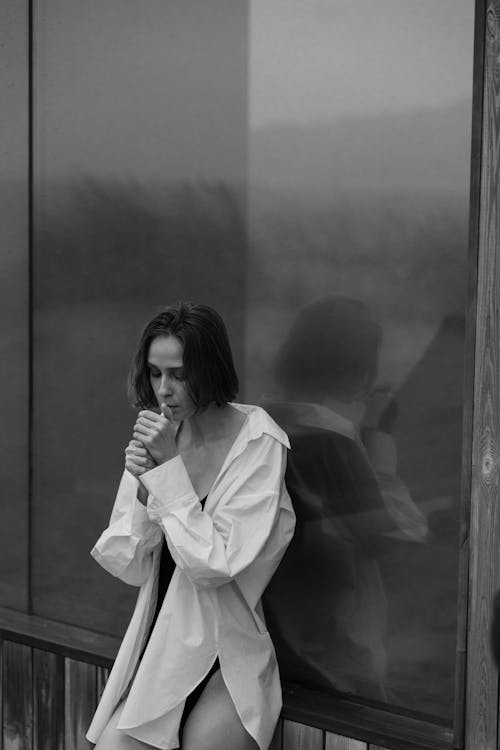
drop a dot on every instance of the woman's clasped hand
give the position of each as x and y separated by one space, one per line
156 433
138 459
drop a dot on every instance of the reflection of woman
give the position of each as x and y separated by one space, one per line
202 507
326 607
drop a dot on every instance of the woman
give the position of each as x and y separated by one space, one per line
203 482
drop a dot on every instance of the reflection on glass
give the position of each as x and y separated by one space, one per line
357 218
327 606
139 148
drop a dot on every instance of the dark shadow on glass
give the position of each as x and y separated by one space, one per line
326 606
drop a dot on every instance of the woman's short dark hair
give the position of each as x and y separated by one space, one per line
210 375
332 348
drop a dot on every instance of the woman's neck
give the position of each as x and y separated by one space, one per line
210 424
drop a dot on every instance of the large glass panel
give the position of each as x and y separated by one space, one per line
346 311
357 215
14 313
140 156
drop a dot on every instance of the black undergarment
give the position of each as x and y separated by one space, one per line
167 567
194 696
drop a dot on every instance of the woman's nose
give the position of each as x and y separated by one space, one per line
165 386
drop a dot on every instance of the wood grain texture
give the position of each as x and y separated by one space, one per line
80 692
17 697
398 731
468 405
277 741
482 677
338 742
302 737
102 675
68 640
48 701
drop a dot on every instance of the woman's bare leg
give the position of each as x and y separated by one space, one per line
213 722
113 739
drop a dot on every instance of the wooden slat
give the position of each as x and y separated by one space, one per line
338 742
277 741
48 701
17 697
79 703
482 675
102 675
302 737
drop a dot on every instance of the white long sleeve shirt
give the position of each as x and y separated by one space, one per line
225 556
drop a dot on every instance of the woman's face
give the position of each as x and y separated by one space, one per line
166 375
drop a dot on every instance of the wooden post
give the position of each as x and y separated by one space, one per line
482 677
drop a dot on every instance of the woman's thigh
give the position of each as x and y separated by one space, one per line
213 722
113 739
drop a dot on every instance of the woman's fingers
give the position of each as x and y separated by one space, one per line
135 468
147 431
151 416
135 451
138 460
156 433
166 411
140 429
141 460
149 423
136 448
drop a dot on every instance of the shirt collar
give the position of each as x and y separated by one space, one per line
258 423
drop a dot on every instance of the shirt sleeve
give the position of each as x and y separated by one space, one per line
125 548
212 551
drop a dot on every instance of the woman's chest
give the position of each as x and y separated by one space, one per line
203 464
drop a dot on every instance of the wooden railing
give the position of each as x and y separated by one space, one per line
53 675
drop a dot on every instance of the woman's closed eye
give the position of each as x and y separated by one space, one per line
154 373
177 374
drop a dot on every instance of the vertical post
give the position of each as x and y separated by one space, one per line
470 340
482 677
